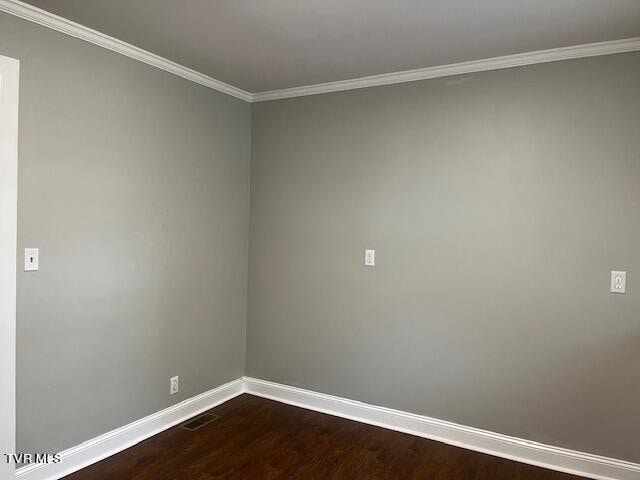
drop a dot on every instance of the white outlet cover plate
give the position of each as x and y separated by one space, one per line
618 282
31 259
174 385
369 258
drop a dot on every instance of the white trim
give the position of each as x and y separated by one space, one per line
47 19
553 458
9 95
121 438
507 61
525 451
60 24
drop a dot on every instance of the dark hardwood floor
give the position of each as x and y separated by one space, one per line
256 438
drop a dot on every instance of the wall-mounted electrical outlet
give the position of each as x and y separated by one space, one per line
618 282
174 385
370 258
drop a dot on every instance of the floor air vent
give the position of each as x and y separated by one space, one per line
199 421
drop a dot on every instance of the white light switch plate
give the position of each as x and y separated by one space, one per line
31 260
618 282
370 258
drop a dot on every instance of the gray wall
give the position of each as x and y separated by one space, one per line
134 183
498 203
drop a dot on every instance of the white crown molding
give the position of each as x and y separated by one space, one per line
110 443
49 20
60 24
496 63
525 451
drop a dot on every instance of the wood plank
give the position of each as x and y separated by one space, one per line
256 438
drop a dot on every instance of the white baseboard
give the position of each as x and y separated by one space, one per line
121 438
553 458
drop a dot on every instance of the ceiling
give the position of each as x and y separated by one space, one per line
261 45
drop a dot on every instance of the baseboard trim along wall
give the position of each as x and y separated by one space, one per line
98 448
553 458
